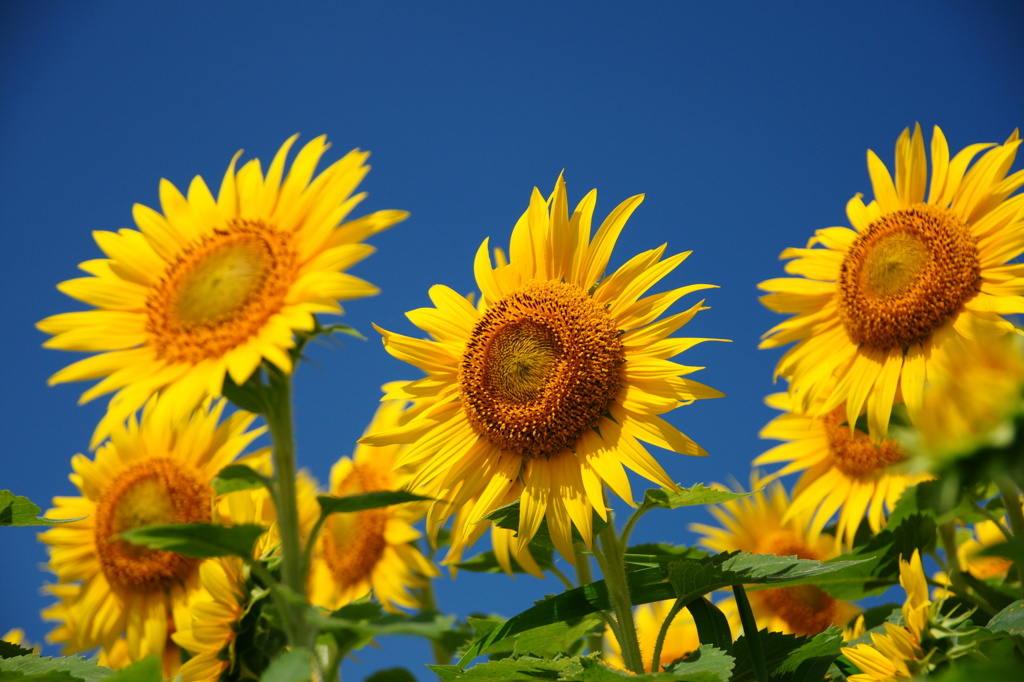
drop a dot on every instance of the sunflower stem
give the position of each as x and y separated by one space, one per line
659 644
584 576
611 558
1011 499
278 413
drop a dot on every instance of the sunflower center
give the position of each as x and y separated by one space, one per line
855 455
158 490
220 291
807 609
542 366
906 276
354 542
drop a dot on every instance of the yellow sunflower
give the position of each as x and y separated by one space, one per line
680 641
149 472
843 470
912 290
212 287
207 628
759 524
373 549
897 655
546 390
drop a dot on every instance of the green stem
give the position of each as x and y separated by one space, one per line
278 413
595 641
947 533
610 557
1011 499
659 644
442 655
753 637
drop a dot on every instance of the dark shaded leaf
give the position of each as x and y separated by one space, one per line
391 675
197 540
235 477
373 500
712 625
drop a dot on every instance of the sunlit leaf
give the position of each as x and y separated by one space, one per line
663 498
148 669
39 669
1010 619
291 666
235 477
16 510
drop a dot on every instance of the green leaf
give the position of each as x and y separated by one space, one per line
706 664
39 669
663 498
652 555
235 477
291 666
391 675
508 517
197 540
148 669
1010 619
548 641
712 625
330 504
20 511
10 650
354 627
693 579
790 657
755 648
487 562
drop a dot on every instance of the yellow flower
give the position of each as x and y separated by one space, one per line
842 469
545 391
912 290
212 287
372 549
759 524
897 654
680 640
207 628
149 472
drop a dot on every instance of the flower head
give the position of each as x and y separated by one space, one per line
212 287
546 390
843 470
759 524
912 290
374 549
149 472
208 627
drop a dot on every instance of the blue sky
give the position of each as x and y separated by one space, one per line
746 125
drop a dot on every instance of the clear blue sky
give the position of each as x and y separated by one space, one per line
746 124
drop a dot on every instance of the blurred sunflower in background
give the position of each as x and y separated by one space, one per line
760 524
207 629
148 472
374 549
211 287
551 386
843 470
680 640
912 290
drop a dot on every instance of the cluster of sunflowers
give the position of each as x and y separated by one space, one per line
188 556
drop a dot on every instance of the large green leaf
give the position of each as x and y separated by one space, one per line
16 510
706 664
291 666
330 504
198 540
692 579
790 657
148 669
41 669
1010 619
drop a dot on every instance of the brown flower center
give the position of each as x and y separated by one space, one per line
541 367
354 542
855 455
152 491
220 291
904 277
807 609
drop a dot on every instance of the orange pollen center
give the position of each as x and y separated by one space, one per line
807 609
542 366
151 491
354 542
905 276
855 455
220 291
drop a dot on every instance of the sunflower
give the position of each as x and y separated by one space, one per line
759 524
149 472
897 654
212 287
372 549
545 391
680 641
842 468
912 290
207 630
